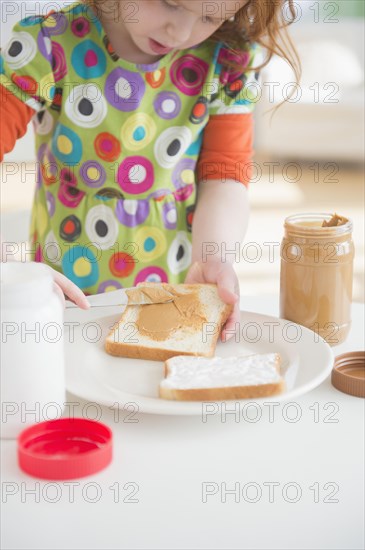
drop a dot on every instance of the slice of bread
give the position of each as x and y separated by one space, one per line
201 315
221 378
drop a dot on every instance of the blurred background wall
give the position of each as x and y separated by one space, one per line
310 150
323 116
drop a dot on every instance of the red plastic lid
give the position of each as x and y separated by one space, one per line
66 448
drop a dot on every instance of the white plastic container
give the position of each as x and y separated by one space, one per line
32 351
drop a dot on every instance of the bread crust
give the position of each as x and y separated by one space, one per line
222 394
143 352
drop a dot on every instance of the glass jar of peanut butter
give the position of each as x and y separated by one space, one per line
317 255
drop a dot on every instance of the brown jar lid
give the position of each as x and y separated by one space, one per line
348 373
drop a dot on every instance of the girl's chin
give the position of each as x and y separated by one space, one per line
141 56
146 53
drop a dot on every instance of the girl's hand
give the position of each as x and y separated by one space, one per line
63 286
224 276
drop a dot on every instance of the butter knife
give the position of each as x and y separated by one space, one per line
116 298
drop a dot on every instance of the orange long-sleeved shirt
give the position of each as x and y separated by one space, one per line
215 162
14 119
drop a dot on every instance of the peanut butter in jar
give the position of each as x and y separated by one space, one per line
317 254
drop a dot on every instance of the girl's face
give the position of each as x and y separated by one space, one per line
158 26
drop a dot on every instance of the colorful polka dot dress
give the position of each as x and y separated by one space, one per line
117 146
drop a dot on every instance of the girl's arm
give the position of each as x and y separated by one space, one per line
219 226
220 220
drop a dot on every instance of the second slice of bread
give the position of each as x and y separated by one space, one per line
220 378
126 340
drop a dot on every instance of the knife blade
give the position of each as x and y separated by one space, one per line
117 298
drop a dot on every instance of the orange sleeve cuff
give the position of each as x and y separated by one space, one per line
227 148
14 119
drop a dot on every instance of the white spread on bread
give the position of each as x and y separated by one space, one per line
220 372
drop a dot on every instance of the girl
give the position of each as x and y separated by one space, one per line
143 118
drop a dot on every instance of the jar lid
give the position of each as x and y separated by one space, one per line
348 374
66 448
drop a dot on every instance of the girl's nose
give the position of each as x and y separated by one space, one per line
179 30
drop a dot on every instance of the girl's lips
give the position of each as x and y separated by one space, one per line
157 47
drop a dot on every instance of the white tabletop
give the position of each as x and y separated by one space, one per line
180 483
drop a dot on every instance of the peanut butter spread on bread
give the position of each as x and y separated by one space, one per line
160 320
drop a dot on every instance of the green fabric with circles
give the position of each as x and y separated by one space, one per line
117 145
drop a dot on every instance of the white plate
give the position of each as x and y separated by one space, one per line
95 376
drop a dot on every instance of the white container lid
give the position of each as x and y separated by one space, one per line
24 283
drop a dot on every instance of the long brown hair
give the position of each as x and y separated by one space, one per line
264 22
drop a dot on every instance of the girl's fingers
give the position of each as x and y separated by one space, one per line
222 275
228 286
195 274
230 327
228 289
58 290
71 290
